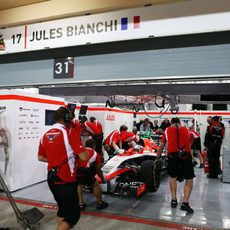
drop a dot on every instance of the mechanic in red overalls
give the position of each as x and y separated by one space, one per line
113 141
86 176
177 138
129 140
94 128
59 150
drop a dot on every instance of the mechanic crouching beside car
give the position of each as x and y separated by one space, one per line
179 161
87 170
113 142
59 149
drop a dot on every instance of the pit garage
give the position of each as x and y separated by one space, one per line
183 74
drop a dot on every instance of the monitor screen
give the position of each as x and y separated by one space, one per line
49 117
83 110
71 107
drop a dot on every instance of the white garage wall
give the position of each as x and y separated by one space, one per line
24 122
111 119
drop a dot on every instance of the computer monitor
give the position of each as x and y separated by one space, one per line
49 117
71 107
82 113
83 110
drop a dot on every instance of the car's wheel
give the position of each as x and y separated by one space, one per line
150 174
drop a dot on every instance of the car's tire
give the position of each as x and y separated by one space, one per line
151 174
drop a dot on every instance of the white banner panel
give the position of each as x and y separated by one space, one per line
113 26
23 119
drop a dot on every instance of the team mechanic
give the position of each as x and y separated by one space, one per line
177 138
86 176
113 142
59 149
129 140
94 128
214 138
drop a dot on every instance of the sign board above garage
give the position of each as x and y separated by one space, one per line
136 23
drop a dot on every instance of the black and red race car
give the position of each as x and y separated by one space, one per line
132 173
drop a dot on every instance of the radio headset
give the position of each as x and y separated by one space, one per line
67 116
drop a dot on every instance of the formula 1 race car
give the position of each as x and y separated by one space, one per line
132 173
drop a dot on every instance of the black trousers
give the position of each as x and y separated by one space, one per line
99 140
213 159
66 197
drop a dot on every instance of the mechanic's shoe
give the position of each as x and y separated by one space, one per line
186 207
212 177
194 163
174 203
103 205
82 206
180 179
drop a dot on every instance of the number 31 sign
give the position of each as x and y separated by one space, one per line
63 68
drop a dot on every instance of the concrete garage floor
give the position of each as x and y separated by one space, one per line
87 221
210 200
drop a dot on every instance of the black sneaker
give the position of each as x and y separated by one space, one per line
194 163
103 205
82 206
174 203
180 179
186 207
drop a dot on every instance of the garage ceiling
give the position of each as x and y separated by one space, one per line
7 4
188 93
20 12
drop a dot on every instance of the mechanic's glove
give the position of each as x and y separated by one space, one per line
104 181
118 151
137 148
116 148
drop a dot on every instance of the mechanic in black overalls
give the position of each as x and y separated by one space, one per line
214 136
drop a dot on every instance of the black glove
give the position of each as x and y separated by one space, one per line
103 181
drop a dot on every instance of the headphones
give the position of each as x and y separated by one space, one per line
67 116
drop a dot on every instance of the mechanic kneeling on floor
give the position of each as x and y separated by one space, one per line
177 138
86 176
59 150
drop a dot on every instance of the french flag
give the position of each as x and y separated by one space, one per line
136 23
